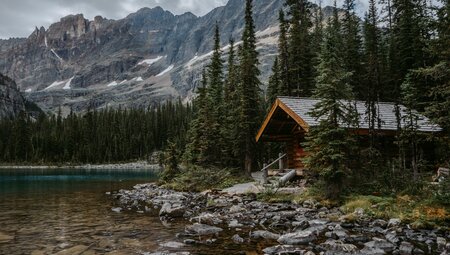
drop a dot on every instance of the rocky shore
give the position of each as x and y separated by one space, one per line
280 228
131 165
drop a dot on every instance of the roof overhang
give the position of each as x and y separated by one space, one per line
277 106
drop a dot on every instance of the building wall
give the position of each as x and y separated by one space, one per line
295 153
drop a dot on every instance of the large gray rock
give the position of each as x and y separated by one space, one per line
300 237
381 244
202 229
283 249
333 247
172 210
264 235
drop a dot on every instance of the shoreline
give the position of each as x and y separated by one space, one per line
138 165
309 228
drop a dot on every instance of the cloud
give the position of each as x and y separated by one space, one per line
18 18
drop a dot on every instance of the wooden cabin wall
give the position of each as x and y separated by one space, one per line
295 153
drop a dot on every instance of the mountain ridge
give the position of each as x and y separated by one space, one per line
147 57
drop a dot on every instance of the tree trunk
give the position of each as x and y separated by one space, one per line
248 164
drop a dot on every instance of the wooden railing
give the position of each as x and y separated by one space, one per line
266 166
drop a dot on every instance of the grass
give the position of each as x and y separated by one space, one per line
414 210
420 211
197 179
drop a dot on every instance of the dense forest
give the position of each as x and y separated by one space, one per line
95 137
399 52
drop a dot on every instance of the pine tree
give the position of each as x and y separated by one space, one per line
372 79
215 103
230 128
317 35
352 41
249 89
329 144
274 87
198 145
285 88
301 72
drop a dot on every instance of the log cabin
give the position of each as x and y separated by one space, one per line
289 120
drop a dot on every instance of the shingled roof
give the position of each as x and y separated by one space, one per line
299 109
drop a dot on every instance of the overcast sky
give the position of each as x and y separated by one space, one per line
18 18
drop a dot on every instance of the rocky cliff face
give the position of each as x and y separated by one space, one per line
11 101
149 56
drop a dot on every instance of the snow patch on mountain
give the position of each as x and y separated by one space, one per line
151 61
67 86
54 84
56 54
112 84
165 71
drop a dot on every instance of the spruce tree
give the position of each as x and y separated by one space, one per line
249 89
285 88
330 143
215 101
352 41
274 83
301 72
230 129
372 79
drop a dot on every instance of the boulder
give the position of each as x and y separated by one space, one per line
299 237
175 245
392 237
202 229
379 223
237 239
337 247
406 248
394 223
283 249
264 235
172 210
378 243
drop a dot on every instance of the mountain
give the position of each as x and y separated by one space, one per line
11 101
147 57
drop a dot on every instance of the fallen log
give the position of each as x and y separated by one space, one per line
287 177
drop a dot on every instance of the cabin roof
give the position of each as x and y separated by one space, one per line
298 109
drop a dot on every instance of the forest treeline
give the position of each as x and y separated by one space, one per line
110 135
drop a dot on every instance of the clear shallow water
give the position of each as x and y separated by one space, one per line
47 211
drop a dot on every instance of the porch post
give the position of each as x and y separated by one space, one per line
280 162
265 173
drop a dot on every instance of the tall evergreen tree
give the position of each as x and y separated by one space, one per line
249 89
285 88
215 101
352 41
230 128
275 83
329 144
301 72
372 79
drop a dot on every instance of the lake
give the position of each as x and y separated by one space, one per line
46 211
68 211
